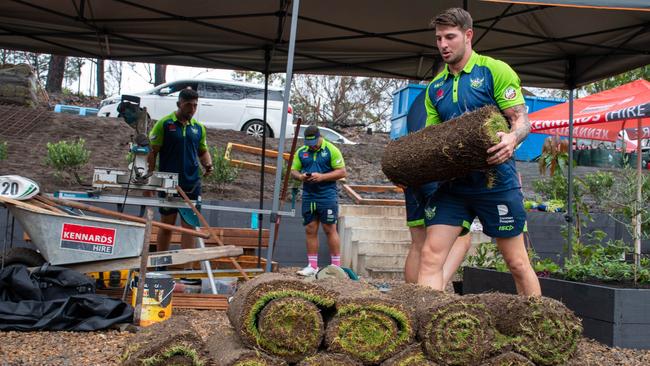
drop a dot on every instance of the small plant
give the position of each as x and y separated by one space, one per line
67 158
3 150
223 172
487 256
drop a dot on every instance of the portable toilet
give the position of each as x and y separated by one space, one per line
405 116
402 101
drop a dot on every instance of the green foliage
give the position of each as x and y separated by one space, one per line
223 173
604 262
592 260
67 158
3 150
487 256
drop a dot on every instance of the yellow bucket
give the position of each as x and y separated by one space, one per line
157 299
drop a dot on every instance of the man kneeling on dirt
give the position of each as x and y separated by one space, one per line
181 142
319 164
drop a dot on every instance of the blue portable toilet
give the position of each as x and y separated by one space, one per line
403 99
409 114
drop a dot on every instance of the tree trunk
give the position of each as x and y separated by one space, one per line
160 74
101 89
55 73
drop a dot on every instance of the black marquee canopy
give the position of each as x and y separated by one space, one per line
549 46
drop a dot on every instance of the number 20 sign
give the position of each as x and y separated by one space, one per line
17 187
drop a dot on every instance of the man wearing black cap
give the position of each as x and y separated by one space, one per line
319 164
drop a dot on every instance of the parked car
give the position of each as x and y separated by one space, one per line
228 105
329 135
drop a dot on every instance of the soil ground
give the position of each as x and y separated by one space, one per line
107 139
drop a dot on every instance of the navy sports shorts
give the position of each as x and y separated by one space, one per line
327 213
502 214
186 213
416 201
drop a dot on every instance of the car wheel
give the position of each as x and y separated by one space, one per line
256 129
22 256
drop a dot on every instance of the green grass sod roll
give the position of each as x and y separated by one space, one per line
444 151
367 326
542 329
291 328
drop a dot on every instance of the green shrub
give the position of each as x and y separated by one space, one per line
3 150
223 172
67 158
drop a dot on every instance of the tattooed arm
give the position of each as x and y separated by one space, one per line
504 150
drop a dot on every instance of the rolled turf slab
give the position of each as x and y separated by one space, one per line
292 326
172 342
542 329
413 355
456 331
453 331
444 151
329 359
508 359
226 349
368 326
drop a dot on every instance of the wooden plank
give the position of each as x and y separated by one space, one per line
251 166
256 150
381 202
159 259
230 231
180 300
375 188
354 195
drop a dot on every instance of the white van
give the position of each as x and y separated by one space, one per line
223 104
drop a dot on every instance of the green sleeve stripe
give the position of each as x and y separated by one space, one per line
156 135
203 144
336 158
296 164
433 118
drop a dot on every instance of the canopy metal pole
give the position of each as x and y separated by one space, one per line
569 213
267 62
637 223
283 128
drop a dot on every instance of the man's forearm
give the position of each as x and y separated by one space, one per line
205 158
296 174
151 160
518 119
335 174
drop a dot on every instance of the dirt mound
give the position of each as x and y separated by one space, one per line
108 138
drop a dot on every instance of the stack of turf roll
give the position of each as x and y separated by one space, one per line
18 85
541 329
368 326
280 315
447 150
453 330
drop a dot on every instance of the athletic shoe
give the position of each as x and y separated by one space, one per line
308 271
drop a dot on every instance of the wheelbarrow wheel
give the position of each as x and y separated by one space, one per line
22 256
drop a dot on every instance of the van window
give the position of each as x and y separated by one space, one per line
221 91
256 93
177 86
